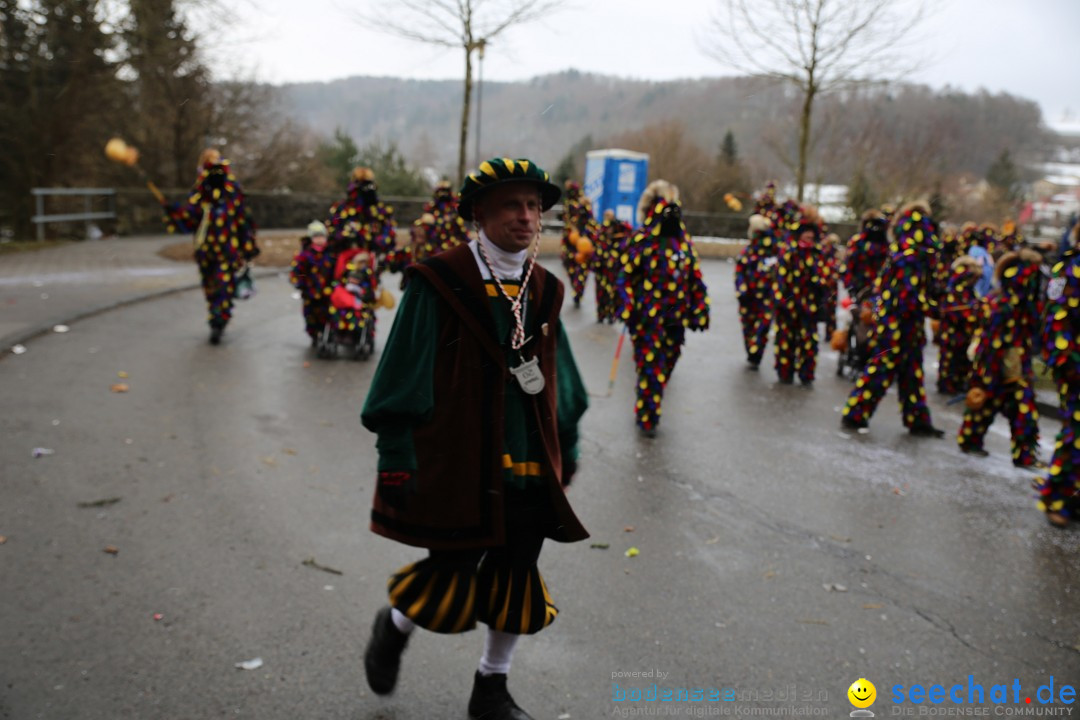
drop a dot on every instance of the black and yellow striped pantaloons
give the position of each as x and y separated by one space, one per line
450 590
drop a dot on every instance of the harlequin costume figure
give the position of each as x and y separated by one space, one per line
662 294
867 252
895 345
361 219
943 263
755 271
312 273
422 245
447 228
578 223
1002 380
225 243
1059 493
960 313
476 403
800 287
610 244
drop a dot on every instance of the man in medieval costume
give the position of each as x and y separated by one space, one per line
476 403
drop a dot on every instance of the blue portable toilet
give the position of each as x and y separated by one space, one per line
615 180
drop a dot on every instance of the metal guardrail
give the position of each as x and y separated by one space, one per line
40 219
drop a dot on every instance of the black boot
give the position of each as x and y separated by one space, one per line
215 334
491 700
848 424
382 658
926 431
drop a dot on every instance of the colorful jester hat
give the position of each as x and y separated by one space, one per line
499 171
767 200
807 218
786 217
443 199
1017 274
873 219
913 232
216 183
966 269
659 196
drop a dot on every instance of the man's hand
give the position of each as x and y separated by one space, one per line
569 469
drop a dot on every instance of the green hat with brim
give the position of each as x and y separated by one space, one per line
499 171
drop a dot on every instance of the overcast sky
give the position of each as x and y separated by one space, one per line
1029 48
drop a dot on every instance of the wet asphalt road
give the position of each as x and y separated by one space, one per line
235 464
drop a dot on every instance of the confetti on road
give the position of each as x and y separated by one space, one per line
310 562
104 502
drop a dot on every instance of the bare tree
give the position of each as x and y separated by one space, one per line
816 45
467 24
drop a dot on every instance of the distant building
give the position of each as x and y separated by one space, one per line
830 200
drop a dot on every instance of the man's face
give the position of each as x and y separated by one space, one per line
318 241
510 215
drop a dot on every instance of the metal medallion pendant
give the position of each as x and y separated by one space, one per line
529 376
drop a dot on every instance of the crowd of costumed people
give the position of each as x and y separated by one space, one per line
989 300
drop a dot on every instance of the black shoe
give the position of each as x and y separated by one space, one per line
973 450
753 364
577 302
215 334
786 381
648 432
849 424
1034 465
382 658
808 384
490 700
926 431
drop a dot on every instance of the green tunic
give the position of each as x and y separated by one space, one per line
402 393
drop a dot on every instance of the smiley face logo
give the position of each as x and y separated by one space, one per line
862 693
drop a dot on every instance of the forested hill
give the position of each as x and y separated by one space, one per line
901 129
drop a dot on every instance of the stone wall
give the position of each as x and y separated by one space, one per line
138 213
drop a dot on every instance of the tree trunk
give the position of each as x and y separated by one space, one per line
804 138
465 114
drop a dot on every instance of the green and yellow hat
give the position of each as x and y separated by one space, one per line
498 171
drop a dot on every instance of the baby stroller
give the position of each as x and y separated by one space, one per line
351 325
852 339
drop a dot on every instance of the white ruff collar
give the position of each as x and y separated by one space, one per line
506 265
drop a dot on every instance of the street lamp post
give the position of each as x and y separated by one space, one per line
479 99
